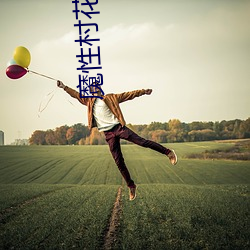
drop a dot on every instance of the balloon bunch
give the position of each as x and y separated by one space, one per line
17 66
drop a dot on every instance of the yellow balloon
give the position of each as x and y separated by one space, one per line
22 56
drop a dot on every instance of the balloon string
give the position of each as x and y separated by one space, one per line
50 96
71 103
31 71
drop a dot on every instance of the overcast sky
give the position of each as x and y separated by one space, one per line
195 55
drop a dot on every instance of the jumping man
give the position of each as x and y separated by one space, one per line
106 115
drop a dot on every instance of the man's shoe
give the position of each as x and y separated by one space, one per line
132 193
172 157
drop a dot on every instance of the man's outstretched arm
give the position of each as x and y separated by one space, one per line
132 94
73 93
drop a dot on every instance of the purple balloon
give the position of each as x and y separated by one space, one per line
15 71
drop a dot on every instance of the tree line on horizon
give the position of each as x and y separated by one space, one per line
172 131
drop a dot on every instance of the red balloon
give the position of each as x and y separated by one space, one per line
15 71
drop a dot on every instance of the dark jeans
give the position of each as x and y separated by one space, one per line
113 137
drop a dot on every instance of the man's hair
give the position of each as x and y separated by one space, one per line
95 88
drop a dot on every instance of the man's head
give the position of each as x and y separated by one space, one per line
96 90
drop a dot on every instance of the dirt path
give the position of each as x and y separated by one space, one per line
111 235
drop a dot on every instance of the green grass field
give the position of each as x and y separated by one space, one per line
62 197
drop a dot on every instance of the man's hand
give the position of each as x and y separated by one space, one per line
60 84
148 91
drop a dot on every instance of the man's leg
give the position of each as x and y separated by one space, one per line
129 135
115 149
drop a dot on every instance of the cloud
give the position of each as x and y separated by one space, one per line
126 33
119 43
56 57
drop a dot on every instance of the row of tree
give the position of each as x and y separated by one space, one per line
172 131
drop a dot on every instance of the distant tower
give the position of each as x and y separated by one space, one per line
1 138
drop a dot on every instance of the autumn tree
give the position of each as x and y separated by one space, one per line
175 133
38 138
77 133
61 135
159 135
244 129
50 137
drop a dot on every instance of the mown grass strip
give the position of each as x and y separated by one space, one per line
12 195
58 165
9 212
